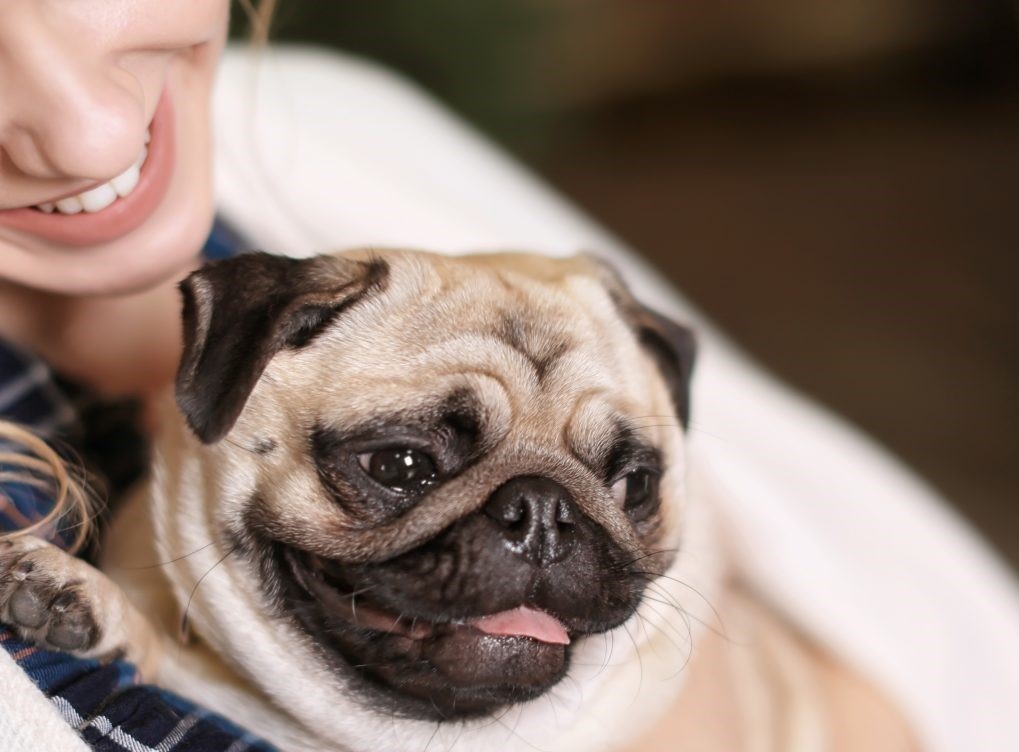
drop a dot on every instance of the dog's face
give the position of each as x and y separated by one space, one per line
433 476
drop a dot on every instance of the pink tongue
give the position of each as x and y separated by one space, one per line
524 622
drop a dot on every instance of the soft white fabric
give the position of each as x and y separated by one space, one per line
318 151
28 721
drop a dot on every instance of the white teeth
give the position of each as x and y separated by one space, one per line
69 205
125 182
98 198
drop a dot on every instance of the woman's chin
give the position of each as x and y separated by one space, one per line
156 253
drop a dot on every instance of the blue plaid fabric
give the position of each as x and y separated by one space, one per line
106 703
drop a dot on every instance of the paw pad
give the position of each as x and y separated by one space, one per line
45 604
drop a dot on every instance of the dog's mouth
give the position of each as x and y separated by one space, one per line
437 667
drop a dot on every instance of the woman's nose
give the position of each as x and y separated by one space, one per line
66 109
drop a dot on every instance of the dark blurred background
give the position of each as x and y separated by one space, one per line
834 183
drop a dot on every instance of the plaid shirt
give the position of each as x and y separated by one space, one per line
106 703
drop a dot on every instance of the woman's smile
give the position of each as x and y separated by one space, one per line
106 211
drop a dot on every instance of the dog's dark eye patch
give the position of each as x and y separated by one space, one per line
450 435
629 452
632 471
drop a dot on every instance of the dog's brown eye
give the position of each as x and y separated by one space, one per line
402 469
637 493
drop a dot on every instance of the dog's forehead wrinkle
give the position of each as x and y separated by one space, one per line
540 341
593 427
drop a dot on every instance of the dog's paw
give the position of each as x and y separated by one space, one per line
45 595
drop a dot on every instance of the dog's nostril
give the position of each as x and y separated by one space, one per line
536 515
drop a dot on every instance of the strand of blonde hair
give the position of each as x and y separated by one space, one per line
37 464
260 18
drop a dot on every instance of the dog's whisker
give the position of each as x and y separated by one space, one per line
606 654
640 662
647 555
516 723
438 725
673 603
438 712
495 719
667 598
513 731
459 733
680 611
580 689
162 563
191 595
654 575
647 636
682 614
720 630
422 662
689 650
657 589
551 704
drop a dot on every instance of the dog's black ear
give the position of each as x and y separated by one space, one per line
674 348
240 312
672 345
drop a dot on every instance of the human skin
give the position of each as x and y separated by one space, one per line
80 83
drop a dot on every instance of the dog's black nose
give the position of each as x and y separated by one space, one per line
537 516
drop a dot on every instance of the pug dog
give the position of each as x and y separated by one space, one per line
405 501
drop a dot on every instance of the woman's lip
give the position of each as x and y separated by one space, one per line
124 214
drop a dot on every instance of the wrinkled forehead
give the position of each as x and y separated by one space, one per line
538 337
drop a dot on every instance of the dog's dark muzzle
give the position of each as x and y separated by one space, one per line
480 616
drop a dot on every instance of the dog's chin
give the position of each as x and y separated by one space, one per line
420 667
